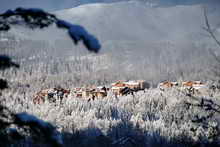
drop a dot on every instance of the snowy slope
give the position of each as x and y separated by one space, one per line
131 27
133 21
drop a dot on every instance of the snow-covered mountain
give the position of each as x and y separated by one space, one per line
131 30
129 22
158 42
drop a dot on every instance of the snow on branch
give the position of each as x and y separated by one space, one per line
77 33
6 62
37 18
40 127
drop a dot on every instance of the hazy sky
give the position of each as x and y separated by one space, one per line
61 4
45 4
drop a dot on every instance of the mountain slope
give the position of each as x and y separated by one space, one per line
134 36
138 42
133 21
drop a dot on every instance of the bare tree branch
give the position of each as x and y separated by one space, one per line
214 55
209 29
